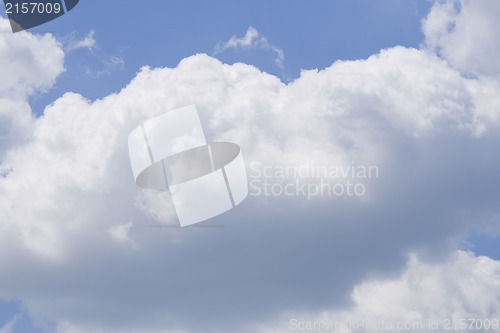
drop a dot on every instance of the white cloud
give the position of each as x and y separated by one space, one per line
120 233
430 130
72 183
86 43
464 32
159 206
252 39
463 290
28 64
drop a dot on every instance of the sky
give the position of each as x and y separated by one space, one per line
311 35
409 88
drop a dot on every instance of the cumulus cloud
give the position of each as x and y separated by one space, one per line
252 39
427 297
464 33
28 64
72 184
69 204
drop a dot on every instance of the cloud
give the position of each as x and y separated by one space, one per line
95 63
108 64
28 64
252 39
120 233
8 328
38 61
464 33
403 110
426 297
429 129
86 43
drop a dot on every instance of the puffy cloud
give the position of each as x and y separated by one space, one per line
426 297
28 64
107 256
71 187
465 33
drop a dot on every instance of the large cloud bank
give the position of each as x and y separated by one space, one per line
85 250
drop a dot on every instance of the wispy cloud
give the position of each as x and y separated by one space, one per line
252 39
9 327
86 43
109 64
100 62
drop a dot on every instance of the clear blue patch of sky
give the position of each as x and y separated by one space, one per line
485 245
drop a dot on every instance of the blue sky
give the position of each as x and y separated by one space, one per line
159 34
410 86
